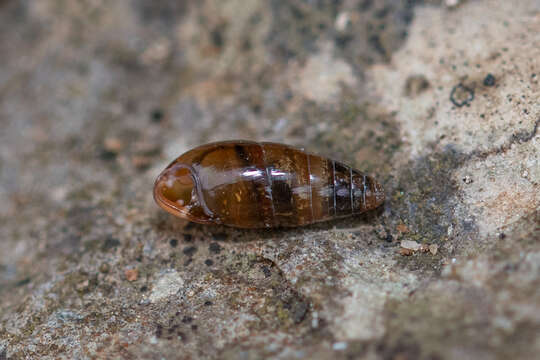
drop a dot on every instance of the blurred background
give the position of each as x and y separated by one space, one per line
437 99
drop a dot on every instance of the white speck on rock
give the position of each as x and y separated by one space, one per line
315 320
342 20
339 345
167 285
410 244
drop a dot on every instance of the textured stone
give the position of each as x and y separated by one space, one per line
97 97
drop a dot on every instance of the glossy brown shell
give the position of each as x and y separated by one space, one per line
255 185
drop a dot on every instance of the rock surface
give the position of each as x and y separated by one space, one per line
439 99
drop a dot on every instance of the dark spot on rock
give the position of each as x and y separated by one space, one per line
159 331
190 225
208 262
107 155
511 267
257 108
161 12
266 271
343 40
214 248
299 311
287 306
376 43
502 236
173 242
389 238
217 36
247 45
461 95
190 250
408 16
143 288
296 12
415 85
208 303
23 282
425 198
220 236
382 13
402 350
489 80
188 237
110 243
364 5
194 327
468 225
156 115
187 319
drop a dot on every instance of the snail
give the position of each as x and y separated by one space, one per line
248 184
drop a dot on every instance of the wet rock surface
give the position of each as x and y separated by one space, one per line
438 99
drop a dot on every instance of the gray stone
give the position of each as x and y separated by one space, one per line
97 97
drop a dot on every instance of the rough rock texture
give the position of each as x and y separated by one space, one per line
439 99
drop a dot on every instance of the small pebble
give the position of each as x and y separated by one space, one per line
406 252
131 274
402 228
104 268
489 80
157 52
411 245
113 145
342 20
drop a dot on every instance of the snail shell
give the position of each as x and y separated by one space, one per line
247 184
